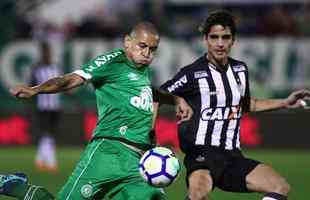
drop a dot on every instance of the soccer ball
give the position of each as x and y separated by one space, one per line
159 166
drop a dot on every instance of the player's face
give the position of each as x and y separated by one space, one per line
141 47
219 42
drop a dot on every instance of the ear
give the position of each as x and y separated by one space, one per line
233 41
127 41
205 39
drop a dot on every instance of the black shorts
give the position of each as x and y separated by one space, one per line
228 168
48 121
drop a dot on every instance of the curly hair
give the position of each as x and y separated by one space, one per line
220 17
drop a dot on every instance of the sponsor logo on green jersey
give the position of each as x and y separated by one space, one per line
101 60
144 101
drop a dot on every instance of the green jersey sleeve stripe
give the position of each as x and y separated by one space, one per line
83 74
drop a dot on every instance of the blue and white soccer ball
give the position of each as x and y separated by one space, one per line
159 166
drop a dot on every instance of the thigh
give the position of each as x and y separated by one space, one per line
99 167
234 175
210 161
200 183
265 179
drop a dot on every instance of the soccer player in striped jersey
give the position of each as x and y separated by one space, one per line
48 109
217 88
109 165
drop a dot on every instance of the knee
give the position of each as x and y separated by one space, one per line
284 188
281 187
199 186
265 179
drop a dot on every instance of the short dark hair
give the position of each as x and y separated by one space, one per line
144 26
220 17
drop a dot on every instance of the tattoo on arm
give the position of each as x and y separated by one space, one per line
53 85
59 84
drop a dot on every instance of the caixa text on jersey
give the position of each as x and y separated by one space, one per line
221 113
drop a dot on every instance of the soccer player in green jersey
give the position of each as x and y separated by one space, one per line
109 165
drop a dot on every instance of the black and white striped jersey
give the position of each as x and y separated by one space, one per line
218 98
40 74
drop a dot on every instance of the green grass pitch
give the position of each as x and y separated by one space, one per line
292 164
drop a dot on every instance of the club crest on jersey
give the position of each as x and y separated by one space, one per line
87 191
239 68
144 101
200 74
123 130
221 113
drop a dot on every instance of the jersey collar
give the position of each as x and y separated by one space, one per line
223 69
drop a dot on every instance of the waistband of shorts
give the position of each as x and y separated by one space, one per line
129 144
204 149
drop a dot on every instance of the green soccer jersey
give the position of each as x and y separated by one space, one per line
123 94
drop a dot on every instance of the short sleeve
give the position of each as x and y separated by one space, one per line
178 85
93 71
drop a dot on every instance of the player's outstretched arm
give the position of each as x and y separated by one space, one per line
295 100
183 111
54 85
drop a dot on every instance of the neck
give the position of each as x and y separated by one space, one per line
221 64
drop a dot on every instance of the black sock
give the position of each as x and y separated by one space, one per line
274 196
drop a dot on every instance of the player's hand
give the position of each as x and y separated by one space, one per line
183 111
23 92
297 99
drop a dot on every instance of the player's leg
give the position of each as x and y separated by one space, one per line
131 185
203 171
247 175
266 180
199 184
46 152
85 181
51 158
102 167
233 178
15 185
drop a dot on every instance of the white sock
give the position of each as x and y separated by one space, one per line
46 150
39 155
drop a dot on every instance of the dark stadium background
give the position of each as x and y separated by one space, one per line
273 38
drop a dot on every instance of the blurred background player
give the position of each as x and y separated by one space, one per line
48 108
217 88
